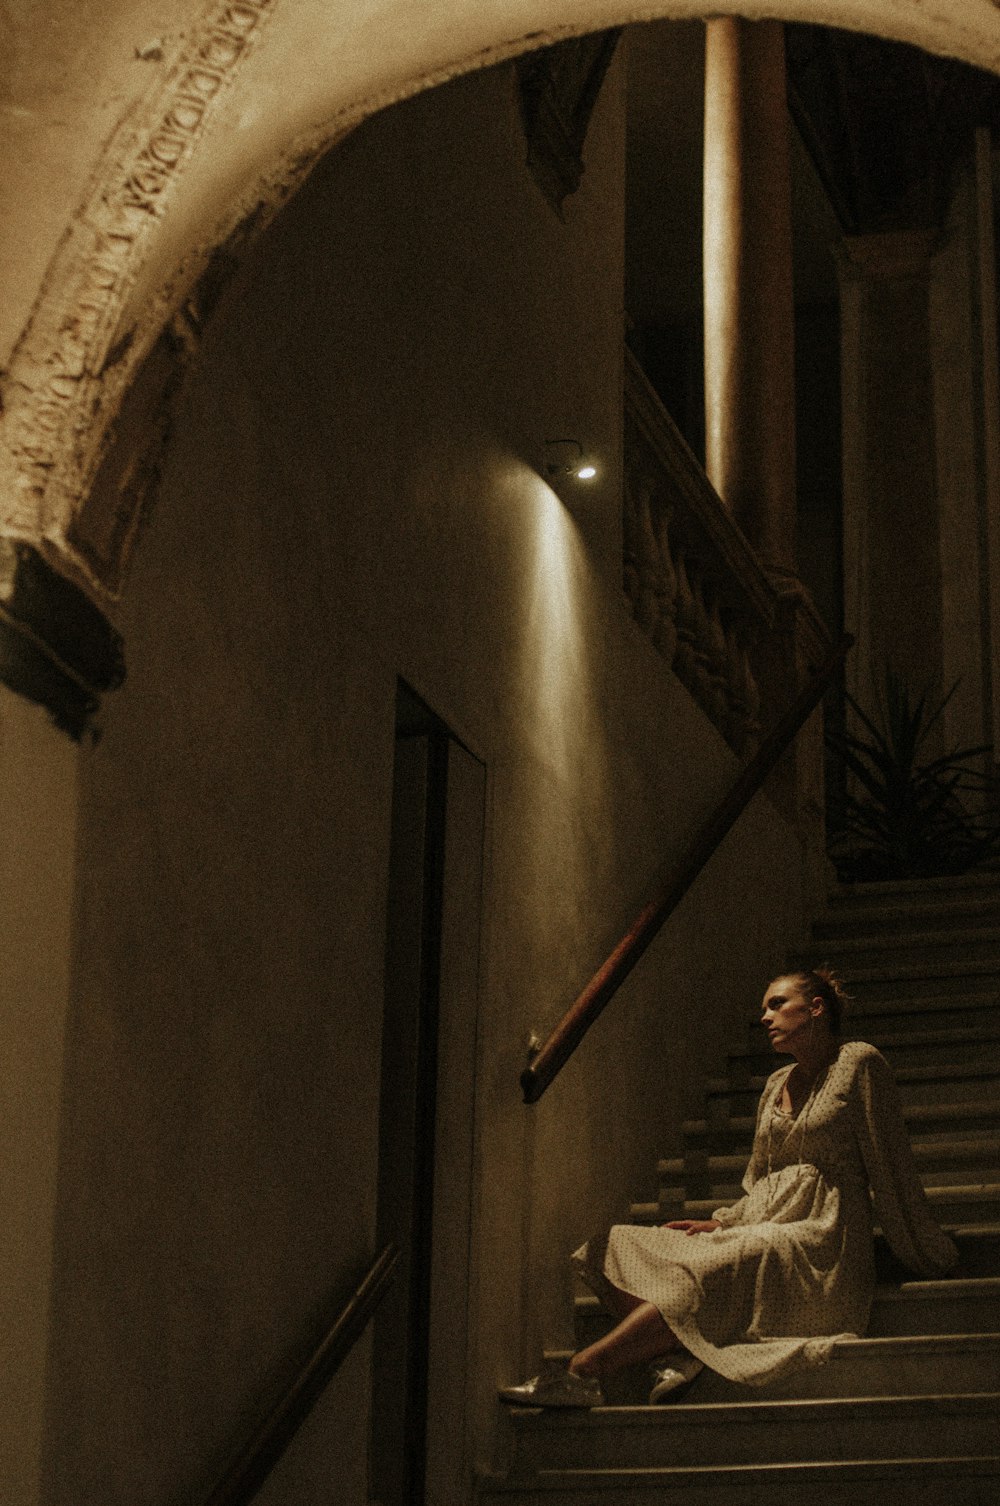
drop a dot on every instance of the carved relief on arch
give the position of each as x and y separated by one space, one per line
73 365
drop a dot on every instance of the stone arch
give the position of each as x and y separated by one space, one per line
235 110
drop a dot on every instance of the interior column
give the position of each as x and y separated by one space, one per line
892 556
749 329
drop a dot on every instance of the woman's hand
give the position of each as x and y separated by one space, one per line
694 1225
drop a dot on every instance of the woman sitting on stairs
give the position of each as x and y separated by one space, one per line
772 1283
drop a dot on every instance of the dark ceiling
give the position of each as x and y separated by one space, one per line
885 124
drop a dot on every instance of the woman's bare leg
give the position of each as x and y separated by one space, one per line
641 1336
619 1303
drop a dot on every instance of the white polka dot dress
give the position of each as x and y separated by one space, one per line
792 1270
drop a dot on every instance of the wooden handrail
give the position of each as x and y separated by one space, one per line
248 1472
604 984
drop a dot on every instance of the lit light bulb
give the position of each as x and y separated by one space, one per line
567 458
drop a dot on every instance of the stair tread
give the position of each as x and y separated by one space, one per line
863 1011
901 1344
945 883
973 1147
974 1192
764 1409
974 1464
936 936
941 1191
923 972
847 911
954 1286
925 1113
895 1040
933 1072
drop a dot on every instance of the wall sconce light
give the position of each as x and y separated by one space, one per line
565 457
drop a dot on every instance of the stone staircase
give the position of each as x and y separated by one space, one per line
912 1410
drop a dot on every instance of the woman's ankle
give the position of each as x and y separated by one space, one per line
584 1367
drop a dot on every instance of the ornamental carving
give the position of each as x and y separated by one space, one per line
72 366
558 91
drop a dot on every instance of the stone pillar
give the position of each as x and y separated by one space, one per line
750 377
962 465
892 554
985 264
749 330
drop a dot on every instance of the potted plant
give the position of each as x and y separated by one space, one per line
902 814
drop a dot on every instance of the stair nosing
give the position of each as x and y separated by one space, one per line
860 1468
753 1410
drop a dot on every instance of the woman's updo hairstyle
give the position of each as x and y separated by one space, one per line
822 983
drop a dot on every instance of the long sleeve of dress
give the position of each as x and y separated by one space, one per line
900 1201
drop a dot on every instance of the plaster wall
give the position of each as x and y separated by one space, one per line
352 495
38 780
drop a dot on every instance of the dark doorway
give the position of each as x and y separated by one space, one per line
426 1105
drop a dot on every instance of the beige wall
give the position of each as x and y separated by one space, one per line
38 780
352 495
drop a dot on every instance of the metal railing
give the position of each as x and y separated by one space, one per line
250 1469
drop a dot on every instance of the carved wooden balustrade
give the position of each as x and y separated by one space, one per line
696 586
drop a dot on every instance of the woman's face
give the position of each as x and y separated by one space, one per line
786 1014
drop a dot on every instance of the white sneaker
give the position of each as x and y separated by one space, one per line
673 1378
556 1387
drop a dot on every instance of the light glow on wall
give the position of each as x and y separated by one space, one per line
556 662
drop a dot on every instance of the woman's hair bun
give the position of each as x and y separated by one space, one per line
821 982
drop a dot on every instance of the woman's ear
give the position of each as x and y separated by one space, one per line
818 1001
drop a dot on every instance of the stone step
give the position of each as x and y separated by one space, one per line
686 1434
924 1120
881 896
978 1251
948 1082
914 954
940 1159
943 1481
966 1203
845 920
945 974
880 1015
956 1305
944 1183
901 1042
899 1365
